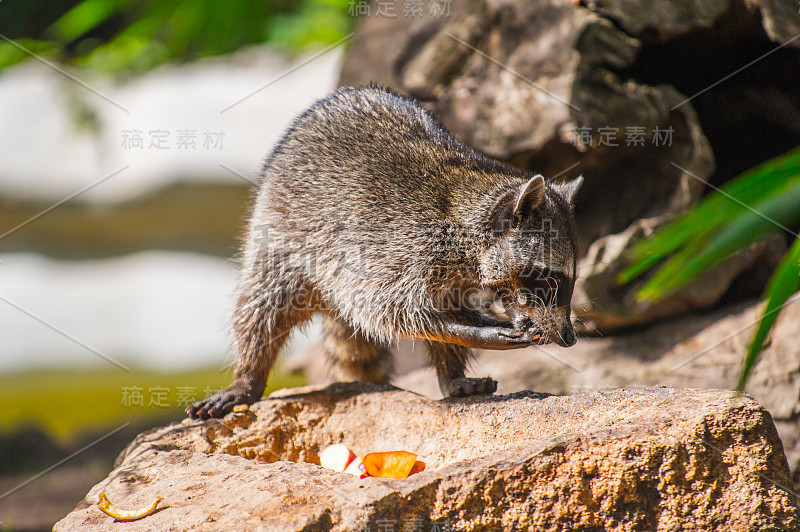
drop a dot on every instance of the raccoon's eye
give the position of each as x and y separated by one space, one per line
541 287
538 288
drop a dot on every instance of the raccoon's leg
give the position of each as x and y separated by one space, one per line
470 329
352 356
450 362
271 302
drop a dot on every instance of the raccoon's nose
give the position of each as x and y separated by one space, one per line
569 337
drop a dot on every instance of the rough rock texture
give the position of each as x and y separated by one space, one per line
520 80
696 351
603 305
666 19
632 459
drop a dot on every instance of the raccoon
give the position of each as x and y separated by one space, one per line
370 213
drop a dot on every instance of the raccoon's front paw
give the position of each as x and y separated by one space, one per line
243 391
513 338
465 387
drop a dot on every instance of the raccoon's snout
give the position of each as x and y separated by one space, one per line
553 325
567 337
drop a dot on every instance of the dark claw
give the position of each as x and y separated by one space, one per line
511 333
241 392
529 336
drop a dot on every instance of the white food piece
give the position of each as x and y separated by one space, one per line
336 457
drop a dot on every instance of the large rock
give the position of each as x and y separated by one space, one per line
695 351
632 459
666 19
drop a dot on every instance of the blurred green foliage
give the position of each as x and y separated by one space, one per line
761 201
65 403
117 36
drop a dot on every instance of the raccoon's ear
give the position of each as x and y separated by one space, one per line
515 203
529 197
568 190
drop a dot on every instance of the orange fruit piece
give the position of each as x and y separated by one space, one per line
392 464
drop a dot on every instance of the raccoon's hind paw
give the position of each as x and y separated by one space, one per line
242 392
465 387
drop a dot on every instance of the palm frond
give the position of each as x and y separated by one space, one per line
763 200
766 197
783 283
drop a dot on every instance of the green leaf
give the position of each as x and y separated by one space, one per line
81 19
147 33
761 201
21 49
784 282
755 188
767 217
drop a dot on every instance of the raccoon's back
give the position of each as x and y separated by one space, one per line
364 151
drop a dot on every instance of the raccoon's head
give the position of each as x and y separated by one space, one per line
530 262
